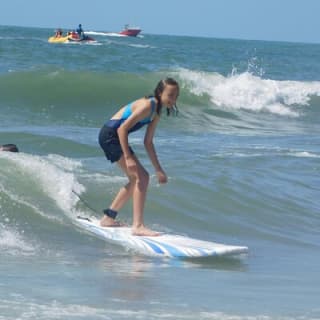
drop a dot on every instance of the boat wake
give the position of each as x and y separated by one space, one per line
105 34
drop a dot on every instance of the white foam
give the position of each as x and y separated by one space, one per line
249 92
13 243
57 310
54 310
66 164
142 46
104 179
54 173
304 154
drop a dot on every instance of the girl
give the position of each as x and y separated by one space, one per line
113 139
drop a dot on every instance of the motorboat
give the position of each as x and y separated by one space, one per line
130 31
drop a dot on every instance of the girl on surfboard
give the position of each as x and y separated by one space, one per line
113 139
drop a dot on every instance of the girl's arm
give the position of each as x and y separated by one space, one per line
148 142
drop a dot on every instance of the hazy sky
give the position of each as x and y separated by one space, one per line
289 20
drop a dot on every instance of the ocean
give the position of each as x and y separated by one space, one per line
242 157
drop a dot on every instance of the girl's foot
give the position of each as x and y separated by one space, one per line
109 222
143 231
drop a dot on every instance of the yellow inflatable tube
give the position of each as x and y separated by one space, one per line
55 39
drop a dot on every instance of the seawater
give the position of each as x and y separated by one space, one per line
243 162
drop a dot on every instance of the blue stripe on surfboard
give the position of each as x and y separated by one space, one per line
172 250
175 252
153 246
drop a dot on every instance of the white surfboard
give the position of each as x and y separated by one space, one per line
165 245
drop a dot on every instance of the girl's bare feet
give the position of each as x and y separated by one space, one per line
143 231
109 222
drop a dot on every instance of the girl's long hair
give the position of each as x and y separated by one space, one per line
159 89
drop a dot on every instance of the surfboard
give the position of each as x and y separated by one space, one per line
165 245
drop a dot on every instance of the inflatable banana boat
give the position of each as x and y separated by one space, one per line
70 37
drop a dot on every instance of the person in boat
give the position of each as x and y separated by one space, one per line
59 33
113 139
9 147
80 32
73 35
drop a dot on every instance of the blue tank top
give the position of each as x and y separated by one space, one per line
116 123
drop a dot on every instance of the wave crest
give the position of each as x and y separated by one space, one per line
249 92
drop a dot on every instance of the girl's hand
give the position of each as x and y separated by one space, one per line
162 177
131 166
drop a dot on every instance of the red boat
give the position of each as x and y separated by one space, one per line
130 31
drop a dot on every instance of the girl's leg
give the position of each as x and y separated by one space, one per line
125 192
121 198
140 185
137 187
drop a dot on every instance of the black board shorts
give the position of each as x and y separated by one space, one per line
110 143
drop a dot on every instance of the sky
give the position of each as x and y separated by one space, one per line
275 20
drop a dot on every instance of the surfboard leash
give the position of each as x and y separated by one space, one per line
85 202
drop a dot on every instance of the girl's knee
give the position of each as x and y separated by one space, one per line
130 185
143 180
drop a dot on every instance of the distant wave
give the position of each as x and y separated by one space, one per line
252 93
207 100
236 91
